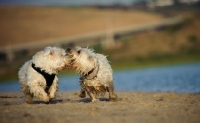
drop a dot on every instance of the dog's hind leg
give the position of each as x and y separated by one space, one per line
112 95
29 98
28 95
26 91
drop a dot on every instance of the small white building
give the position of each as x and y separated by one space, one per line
188 1
160 3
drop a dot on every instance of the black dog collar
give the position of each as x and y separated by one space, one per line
48 77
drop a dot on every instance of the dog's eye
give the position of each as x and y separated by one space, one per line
79 51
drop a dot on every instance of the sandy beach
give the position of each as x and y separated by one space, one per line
131 107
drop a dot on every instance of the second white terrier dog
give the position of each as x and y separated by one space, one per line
95 70
38 77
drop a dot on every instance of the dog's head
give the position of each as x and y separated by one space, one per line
51 59
82 59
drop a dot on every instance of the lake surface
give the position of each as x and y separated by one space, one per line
176 78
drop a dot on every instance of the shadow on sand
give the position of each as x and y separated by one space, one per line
88 100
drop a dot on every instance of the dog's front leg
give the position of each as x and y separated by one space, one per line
40 93
53 89
90 93
82 93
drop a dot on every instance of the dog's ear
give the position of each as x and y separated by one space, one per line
49 52
91 59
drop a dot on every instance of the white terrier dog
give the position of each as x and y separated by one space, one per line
95 71
38 77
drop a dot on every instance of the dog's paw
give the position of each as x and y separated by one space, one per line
93 100
29 102
113 97
82 95
29 99
52 96
46 99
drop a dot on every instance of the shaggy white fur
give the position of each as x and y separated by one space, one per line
49 61
95 70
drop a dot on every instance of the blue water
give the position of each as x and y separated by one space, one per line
177 78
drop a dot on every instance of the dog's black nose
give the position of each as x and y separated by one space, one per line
69 50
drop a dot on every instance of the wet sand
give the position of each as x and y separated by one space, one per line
131 107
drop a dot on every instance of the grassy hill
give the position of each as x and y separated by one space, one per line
175 44
22 24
